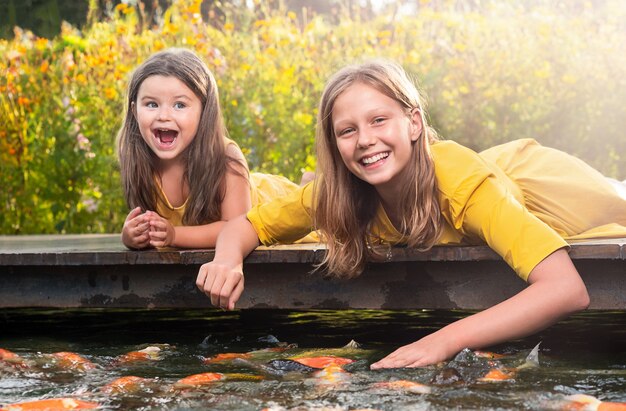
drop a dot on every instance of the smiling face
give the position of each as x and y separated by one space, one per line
374 136
167 113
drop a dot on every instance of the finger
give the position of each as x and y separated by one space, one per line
235 295
133 213
216 290
201 278
141 228
157 235
393 360
157 225
228 289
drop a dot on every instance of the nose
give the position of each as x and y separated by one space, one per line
163 114
365 138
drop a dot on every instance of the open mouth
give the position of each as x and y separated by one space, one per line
368 161
166 137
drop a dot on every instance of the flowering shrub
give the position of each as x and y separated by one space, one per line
507 72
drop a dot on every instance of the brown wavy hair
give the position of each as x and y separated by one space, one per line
345 206
206 160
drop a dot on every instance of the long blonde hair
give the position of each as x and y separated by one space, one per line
346 206
206 158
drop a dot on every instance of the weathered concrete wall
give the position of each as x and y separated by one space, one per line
97 271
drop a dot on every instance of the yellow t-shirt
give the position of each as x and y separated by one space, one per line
263 188
479 204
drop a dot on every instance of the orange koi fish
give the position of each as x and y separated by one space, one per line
11 358
498 374
506 374
52 404
126 385
583 402
71 361
323 361
404 385
199 380
147 354
225 357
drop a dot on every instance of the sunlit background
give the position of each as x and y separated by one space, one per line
492 71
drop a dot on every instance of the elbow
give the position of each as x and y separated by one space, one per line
579 299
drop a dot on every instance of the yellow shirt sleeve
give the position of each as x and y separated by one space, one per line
285 219
480 206
522 240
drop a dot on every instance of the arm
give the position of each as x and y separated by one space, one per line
555 291
236 202
222 279
284 220
490 213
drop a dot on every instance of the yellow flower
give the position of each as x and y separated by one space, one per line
41 44
44 66
229 27
110 93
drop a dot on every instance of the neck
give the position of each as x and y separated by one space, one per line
391 205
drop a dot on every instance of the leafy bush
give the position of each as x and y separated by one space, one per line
504 72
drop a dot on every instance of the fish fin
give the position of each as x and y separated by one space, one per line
532 360
352 344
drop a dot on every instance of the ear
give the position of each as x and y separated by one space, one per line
416 124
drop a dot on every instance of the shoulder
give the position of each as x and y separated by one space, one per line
233 152
458 169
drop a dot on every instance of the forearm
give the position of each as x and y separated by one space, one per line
555 292
200 236
237 239
528 312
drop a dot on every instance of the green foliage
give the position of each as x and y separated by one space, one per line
492 75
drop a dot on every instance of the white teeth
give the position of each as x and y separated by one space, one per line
373 159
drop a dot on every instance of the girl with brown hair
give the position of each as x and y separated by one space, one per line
182 176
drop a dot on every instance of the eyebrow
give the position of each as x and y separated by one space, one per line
179 97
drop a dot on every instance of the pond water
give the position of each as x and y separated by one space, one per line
585 354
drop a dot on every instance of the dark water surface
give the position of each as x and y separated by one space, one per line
585 354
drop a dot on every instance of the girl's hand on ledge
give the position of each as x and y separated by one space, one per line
135 233
162 232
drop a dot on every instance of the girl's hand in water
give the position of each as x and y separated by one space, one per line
429 350
135 233
222 282
162 232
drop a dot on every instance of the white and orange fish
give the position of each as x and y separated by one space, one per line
489 355
583 402
151 353
331 375
404 385
51 404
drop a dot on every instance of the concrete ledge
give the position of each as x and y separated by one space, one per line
98 271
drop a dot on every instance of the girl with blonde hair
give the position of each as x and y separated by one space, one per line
385 179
